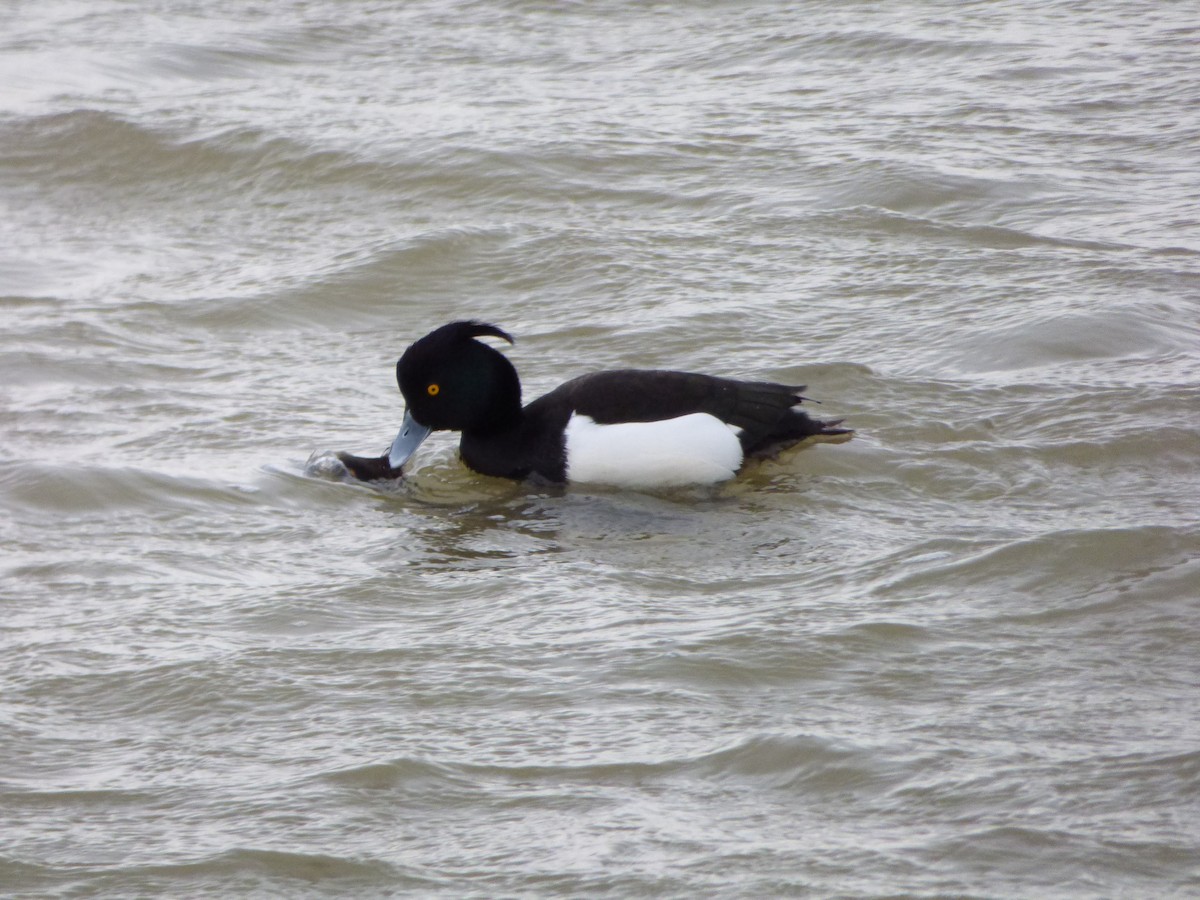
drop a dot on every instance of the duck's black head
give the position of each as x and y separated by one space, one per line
452 382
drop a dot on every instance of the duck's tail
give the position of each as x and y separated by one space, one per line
798 429
829 433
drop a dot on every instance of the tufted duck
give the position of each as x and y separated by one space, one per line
628 427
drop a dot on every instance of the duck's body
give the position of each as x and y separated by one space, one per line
629 427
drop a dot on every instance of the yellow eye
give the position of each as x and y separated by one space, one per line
432 390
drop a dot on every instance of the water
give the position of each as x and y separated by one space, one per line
955 657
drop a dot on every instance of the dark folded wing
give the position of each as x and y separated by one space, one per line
758 408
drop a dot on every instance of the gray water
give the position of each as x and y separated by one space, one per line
955 657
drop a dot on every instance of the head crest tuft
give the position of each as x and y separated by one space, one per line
473 329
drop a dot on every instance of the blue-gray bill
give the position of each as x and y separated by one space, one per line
412 433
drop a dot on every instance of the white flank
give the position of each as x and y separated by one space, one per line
693 449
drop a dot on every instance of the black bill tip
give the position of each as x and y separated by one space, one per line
370 468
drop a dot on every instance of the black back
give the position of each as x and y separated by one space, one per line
762 410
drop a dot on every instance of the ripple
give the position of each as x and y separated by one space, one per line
240 869
773 762
77 489
953 657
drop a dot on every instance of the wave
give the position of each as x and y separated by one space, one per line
111 152
1022 857
237 870
772 762
1058 574
70 488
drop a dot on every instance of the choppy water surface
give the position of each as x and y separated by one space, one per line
954 657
